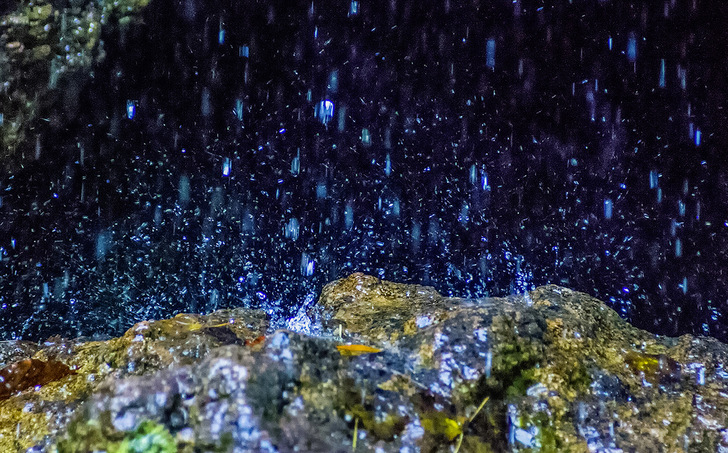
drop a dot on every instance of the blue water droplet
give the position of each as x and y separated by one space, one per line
130 109
632 48
296 163
490 53
184 189
607 208
353 8
366 137
324 111
653 179
348 216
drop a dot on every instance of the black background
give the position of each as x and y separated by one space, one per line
479 177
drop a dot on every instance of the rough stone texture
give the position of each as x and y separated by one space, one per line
47 54
27 417
551 370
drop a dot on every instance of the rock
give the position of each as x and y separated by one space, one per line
48 48
12 350
396 367
381 310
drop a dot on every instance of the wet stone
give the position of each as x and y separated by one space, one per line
397 366
48 47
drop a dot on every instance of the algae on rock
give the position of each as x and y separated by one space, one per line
552 370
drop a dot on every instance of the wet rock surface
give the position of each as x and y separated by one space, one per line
396 367
47 54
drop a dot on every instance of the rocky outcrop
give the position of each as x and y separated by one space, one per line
47 56
392 367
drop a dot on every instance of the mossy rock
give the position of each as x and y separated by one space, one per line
400 365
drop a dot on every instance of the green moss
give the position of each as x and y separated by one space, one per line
442 426
473 444
89 435
514 359
384 428
350 399
95 435
551 437
149 437
39 13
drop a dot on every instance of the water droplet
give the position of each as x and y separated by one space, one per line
348 216
607 208
591 101
324 111
158 215
292 229
490 53
130 109
221 34
416 236
632 48
206 103
366 138
653 179
296 163
353 8
464 217
678 248
183 191
238 110
684 285
212 303
307 265
321 190
103 243
333 85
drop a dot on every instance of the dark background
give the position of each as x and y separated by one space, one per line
482 147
